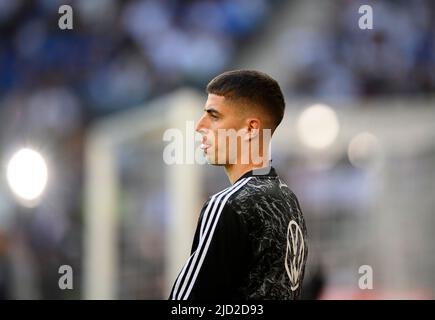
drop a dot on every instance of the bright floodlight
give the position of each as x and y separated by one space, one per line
27 174
318 126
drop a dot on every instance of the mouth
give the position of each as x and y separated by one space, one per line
204 146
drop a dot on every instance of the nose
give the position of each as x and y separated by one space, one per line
200 126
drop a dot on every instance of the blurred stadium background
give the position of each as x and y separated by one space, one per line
357 144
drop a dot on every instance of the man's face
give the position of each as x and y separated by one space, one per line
220 117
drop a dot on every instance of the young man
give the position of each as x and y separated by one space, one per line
250 241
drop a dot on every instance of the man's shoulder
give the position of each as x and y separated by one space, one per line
253 191
263 193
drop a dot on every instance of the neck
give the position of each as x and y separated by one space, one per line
235 171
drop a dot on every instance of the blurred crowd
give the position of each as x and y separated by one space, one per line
121 53
396 57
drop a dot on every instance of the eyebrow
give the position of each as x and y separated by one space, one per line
212 111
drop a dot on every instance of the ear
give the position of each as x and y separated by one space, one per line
253 127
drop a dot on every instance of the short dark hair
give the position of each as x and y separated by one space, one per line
253 87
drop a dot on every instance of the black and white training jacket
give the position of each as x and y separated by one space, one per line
250 243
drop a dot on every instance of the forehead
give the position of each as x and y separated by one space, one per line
215 101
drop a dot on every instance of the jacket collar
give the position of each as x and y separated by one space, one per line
268 171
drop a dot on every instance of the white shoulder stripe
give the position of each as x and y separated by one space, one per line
190 264
204 217
207 238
